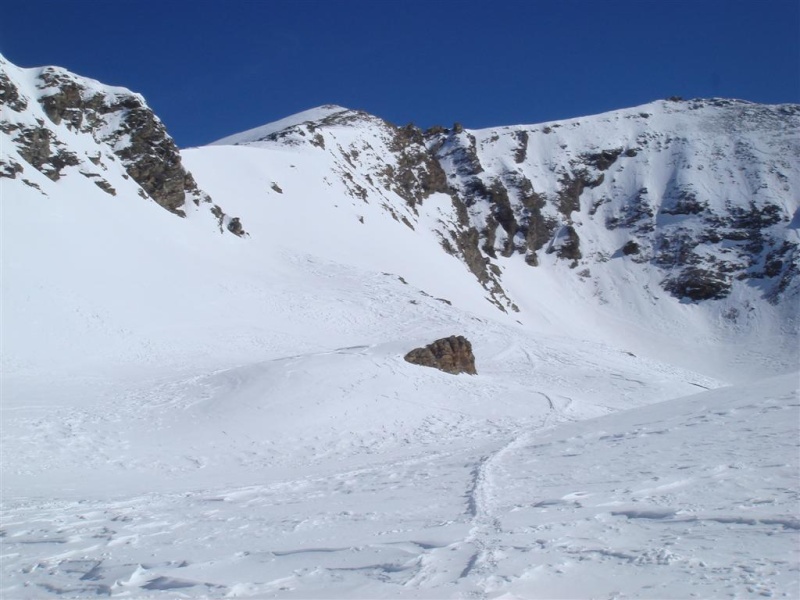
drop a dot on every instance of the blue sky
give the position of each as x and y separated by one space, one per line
210 69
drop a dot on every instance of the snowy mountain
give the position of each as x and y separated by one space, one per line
56 124
187 412
702 192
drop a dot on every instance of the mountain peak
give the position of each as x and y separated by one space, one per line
325 114
60 124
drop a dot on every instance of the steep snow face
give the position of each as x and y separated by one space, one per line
674 219
692 204
56 125
704 191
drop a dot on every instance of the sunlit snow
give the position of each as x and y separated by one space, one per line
189 414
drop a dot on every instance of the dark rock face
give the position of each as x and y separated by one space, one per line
153 160
38 146
567 245
631 247
9 169
521 152
417 174
602 160
699 284
451 355
9 95
122 125
150 155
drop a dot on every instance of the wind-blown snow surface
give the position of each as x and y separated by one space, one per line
187 414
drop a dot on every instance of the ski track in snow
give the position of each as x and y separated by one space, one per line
333 473
526 519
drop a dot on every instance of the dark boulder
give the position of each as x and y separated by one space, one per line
451 355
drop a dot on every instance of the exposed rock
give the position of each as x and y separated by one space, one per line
435 130
417 174
635 213
521 153
9 95
153 160
33 144
451 355
631 247
537 228
464 157
699 284
10 169
572 186
467 241
105 186
232 224
235 227
121 124
684 202
39 147
601 160
567 244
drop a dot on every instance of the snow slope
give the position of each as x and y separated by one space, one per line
688 498
187 413
669 220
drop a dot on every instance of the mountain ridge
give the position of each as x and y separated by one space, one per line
685 208
56 120
517 218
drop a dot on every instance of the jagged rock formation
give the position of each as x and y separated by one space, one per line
451 355
54 119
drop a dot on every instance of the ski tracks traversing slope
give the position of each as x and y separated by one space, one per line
692 496
471 564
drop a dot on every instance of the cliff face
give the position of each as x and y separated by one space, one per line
58 123
704 191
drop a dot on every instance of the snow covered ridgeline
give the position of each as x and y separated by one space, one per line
702 192
57 124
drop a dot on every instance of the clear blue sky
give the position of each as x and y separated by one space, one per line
210 69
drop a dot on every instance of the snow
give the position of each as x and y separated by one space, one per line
189 414
695 496
259 133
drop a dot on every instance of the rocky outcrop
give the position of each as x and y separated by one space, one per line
122 126
130 128
451 355
703 237
699 284
9 94
43 151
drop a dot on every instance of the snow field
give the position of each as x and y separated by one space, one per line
687 497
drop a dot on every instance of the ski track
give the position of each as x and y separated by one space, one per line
398 528
452 503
